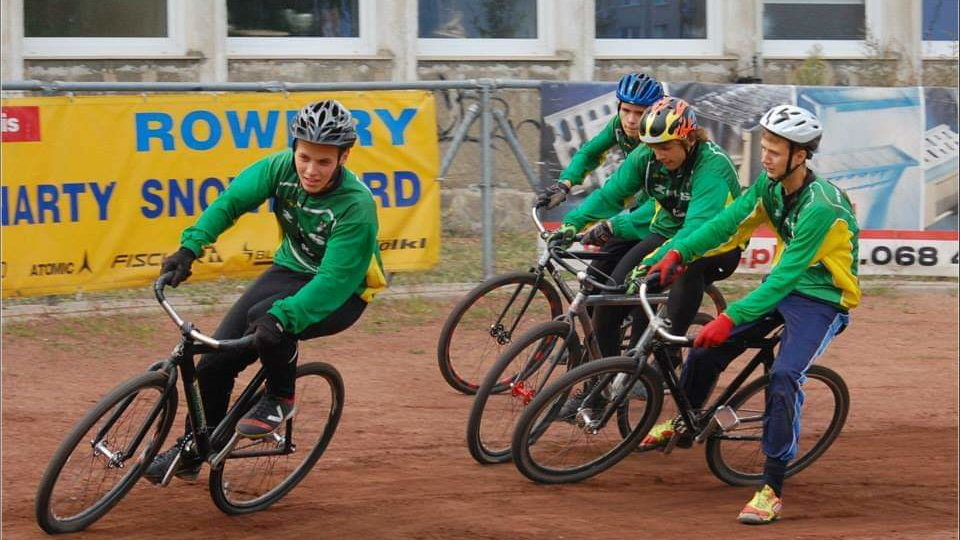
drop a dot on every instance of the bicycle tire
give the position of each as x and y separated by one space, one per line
462 357
534 464
48 505
228 485
720 447
489 441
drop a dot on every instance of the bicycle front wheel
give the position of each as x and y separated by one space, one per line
551 449
259 472
539 356
103 456
735 456
483 324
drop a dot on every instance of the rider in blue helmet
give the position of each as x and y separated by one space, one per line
635 93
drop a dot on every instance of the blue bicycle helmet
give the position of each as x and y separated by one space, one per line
639 89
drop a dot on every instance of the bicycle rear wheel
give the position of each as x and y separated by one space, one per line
550 449
539 356
259 472
103 456
485 321
735 456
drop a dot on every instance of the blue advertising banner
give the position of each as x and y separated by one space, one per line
893 150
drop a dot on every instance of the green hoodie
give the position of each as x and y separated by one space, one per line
332 235
684 199
593 151
589 157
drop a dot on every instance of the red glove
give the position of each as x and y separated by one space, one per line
715 332
670 267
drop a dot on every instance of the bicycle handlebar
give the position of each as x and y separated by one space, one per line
648 310
187 329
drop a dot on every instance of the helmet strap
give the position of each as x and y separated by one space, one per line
791 146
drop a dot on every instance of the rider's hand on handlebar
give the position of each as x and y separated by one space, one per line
554 195
670 267
268 332
599 234
715 332
562 237
635 278
179 263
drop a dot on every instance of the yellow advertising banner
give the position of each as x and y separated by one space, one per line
96 190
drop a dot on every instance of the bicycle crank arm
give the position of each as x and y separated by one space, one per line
217 460
168 476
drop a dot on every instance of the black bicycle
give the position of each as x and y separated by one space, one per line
548 448
531 362
110 447
486 320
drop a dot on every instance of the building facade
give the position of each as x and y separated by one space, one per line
805 42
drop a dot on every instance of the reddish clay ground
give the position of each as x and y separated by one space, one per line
398 466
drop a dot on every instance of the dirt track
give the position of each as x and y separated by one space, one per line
398 466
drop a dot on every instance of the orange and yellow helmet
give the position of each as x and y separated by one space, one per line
667 120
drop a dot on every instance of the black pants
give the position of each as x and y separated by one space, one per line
217 371
686 293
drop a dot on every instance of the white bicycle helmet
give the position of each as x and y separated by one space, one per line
325 122
794 124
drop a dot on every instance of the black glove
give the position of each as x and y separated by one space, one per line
268 332
563 236
598 235
553 196
179 263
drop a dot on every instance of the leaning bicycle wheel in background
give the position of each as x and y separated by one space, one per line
483 324
106 452
259 472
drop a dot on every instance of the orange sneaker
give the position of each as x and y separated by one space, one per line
659 435
763 508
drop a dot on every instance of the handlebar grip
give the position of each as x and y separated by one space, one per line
240 344
160 283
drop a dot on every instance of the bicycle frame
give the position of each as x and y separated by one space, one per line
215 445
546 266
653 343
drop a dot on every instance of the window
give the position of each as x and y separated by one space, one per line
679 28
484 27
839 27
940 27
299 27
115 28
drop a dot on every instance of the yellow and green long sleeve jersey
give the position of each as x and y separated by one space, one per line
683 199
332 235
817 252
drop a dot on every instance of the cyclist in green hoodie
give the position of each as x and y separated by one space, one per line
810 289
689 179
325 271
